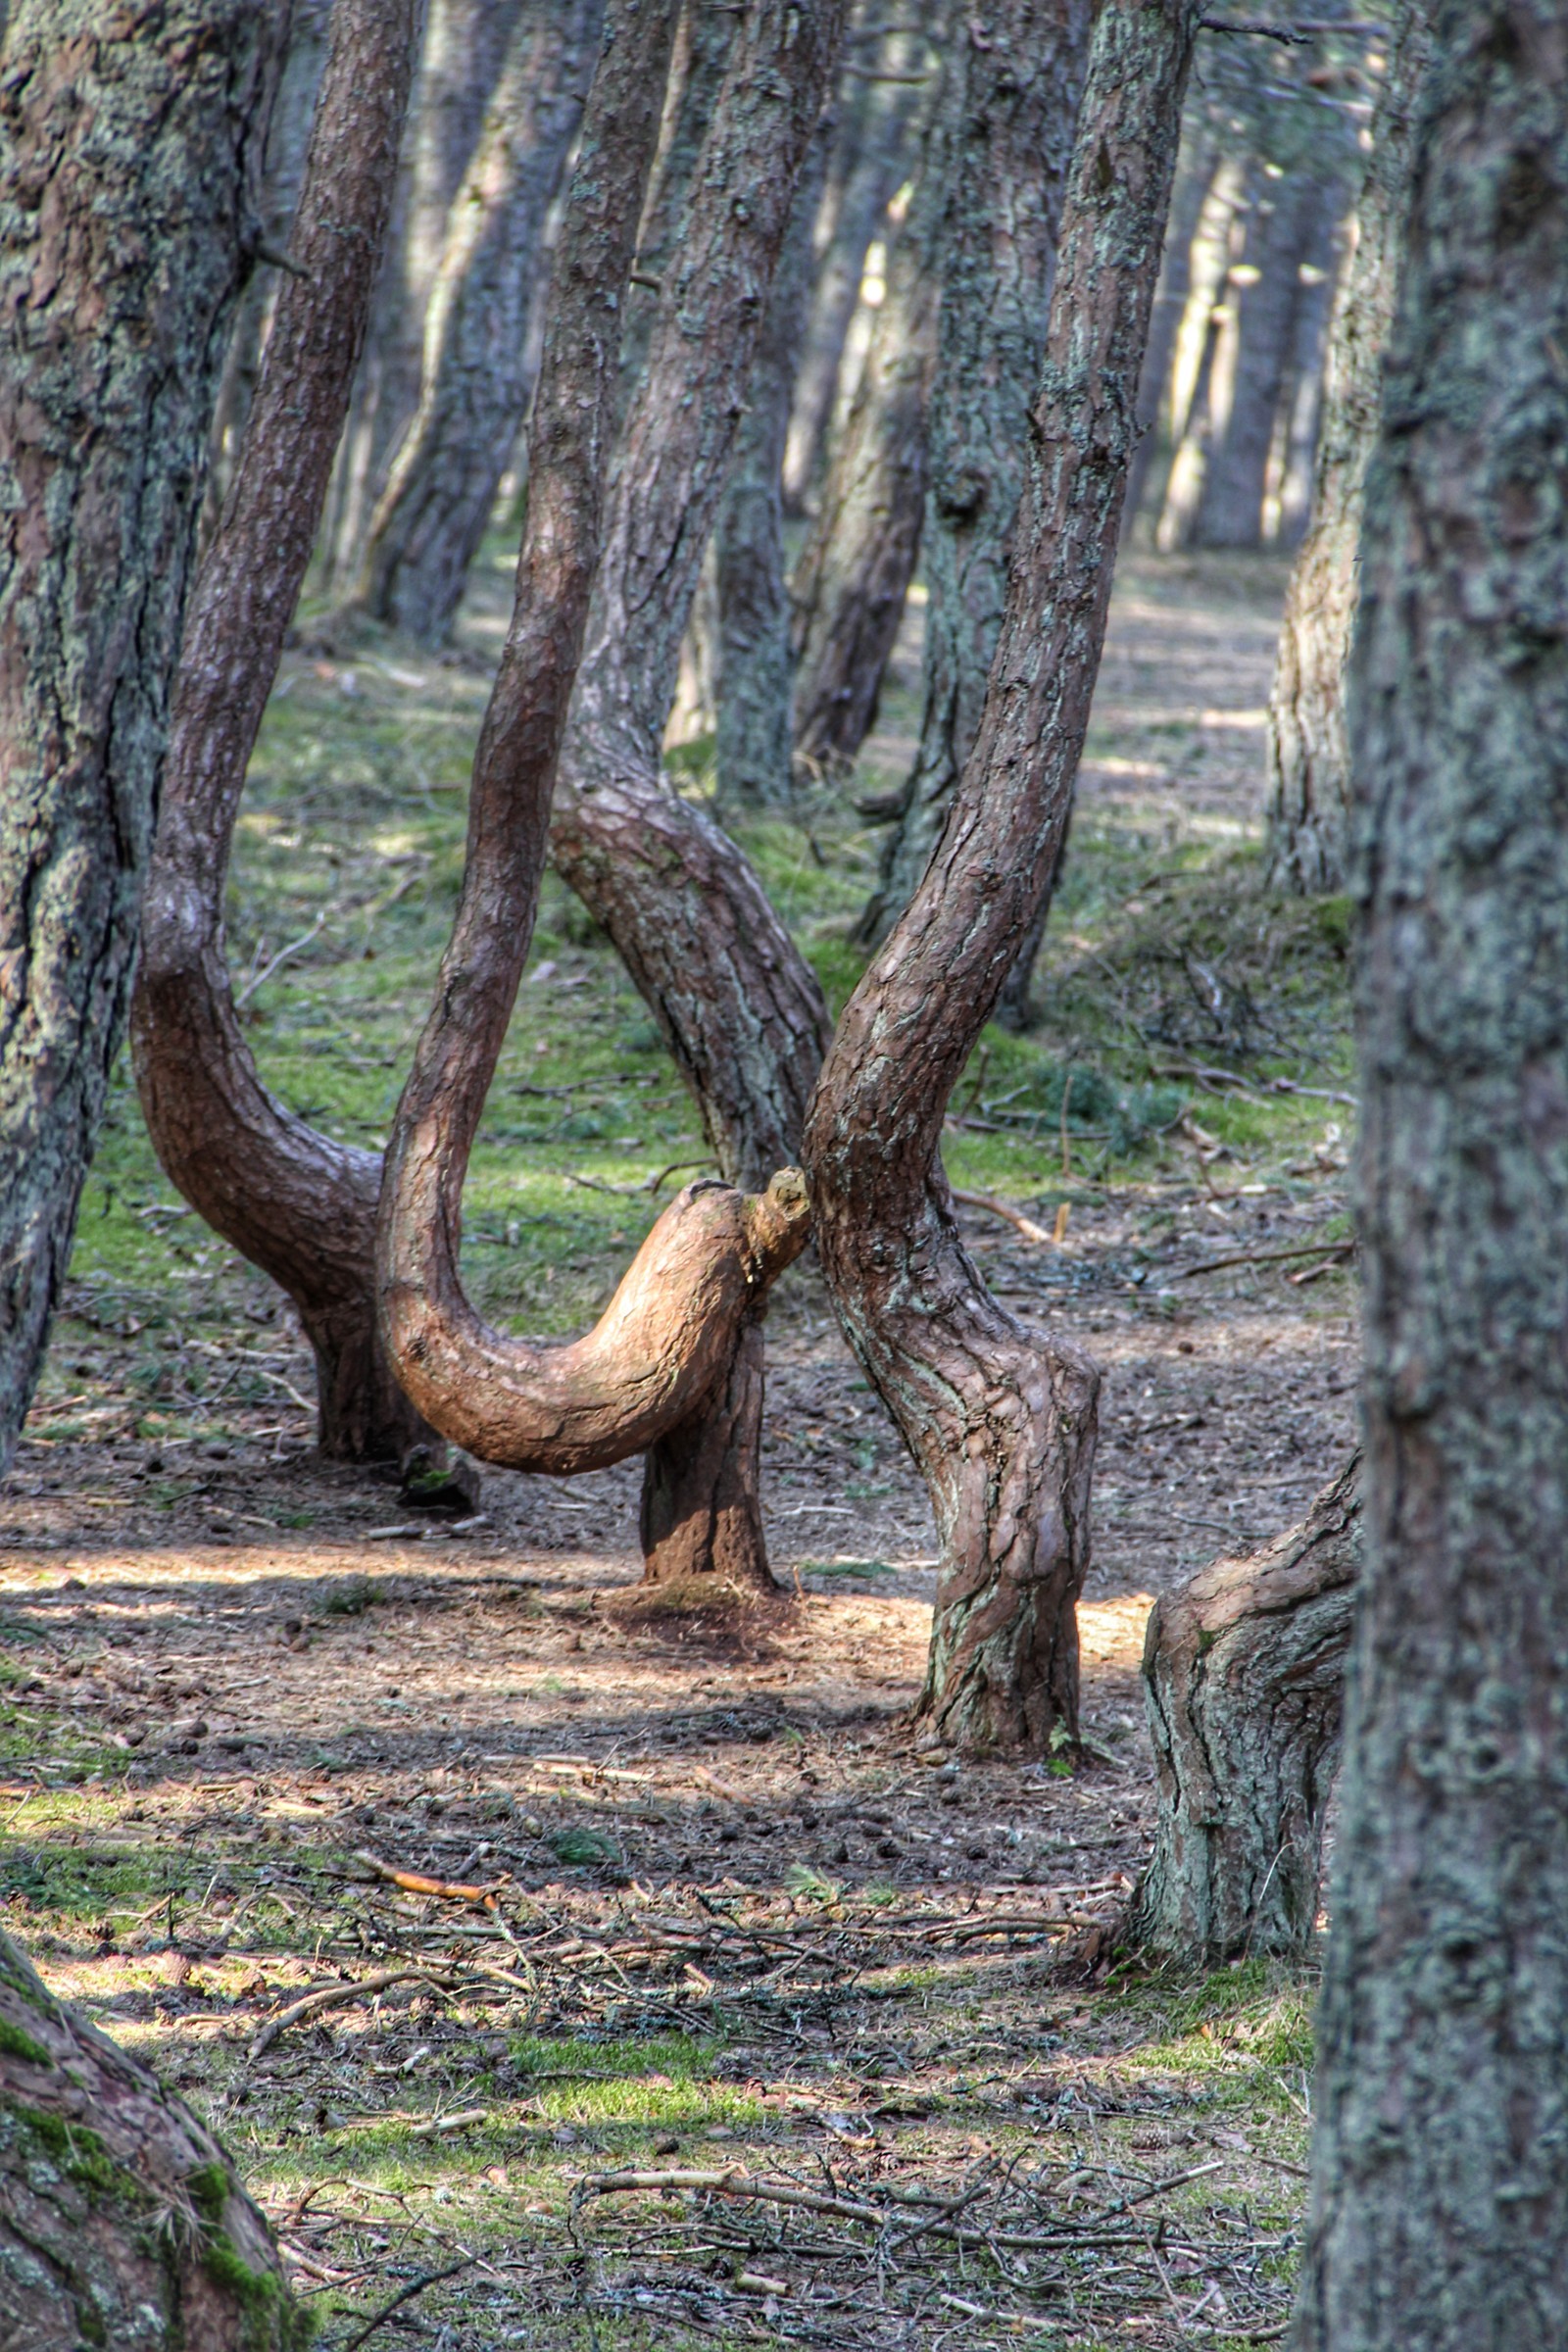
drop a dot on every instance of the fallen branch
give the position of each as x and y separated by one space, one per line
334 1996
404 2295
1257 1257
1007 1212
413 1882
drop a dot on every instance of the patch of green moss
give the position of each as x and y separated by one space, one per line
16 2043
76 2153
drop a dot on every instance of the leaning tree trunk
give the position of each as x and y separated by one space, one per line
295 1203
130 143
854 573
441 492
1309 755
123 2222
1438 2212
1002 1422
1244 1679
1018 79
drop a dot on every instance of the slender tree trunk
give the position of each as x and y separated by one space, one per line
869 161
1438 2212
1244 1679
123 2222
1206 322
705 41
855 570
130 143
1019 77
1308 758
1194 173
1000 1421
754 669
442 488
1281 232
297 1205
1302 406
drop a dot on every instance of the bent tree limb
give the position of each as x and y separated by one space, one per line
1244 1679
293 1202
1002 1422
129 155
121 2219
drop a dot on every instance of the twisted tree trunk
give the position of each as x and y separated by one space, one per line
130 145
1309 755
1002 1422
123 2222
1244 1679
1438 2213
295 1203
1019 77
441 491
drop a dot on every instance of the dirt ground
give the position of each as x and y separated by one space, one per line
732 1925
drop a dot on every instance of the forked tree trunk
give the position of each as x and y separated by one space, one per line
1000 1421
1244 1679
1309 755
130 143
1019 77
1438 2212
440 494
295 1203
854 573
123 2222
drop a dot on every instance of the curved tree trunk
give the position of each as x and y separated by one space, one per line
122 2223
1309 755
294 1203
854 572
1244 1679
129 149
1002 1422
1439 2214
442 488
1018 76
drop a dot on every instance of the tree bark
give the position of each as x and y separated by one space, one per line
854 572
704 40
1438 2212
755 671
1309 755
1002 1422
130 153
1018 75
441 491
295 1203
1194 173
1244 1679
123 2222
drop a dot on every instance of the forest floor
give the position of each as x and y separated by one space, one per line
849 2009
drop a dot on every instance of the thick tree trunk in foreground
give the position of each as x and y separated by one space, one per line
854 572
1020 77
1439 2217
294 1203
1283 228
442 488
1244 1679
1002 1422
1309 755
122 2223
130 145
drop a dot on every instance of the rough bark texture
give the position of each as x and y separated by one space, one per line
131 144
294 1203
1309 755
737 1003
1018 66
704 38
1284 224
854 570
756 674
1003 1423
473 386
122 2223
1440 2194
1244 1680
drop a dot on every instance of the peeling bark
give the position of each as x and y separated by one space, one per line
1308 754
1002 1422
295 1203
131 144
1244 1680
123 2222
1438 2215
